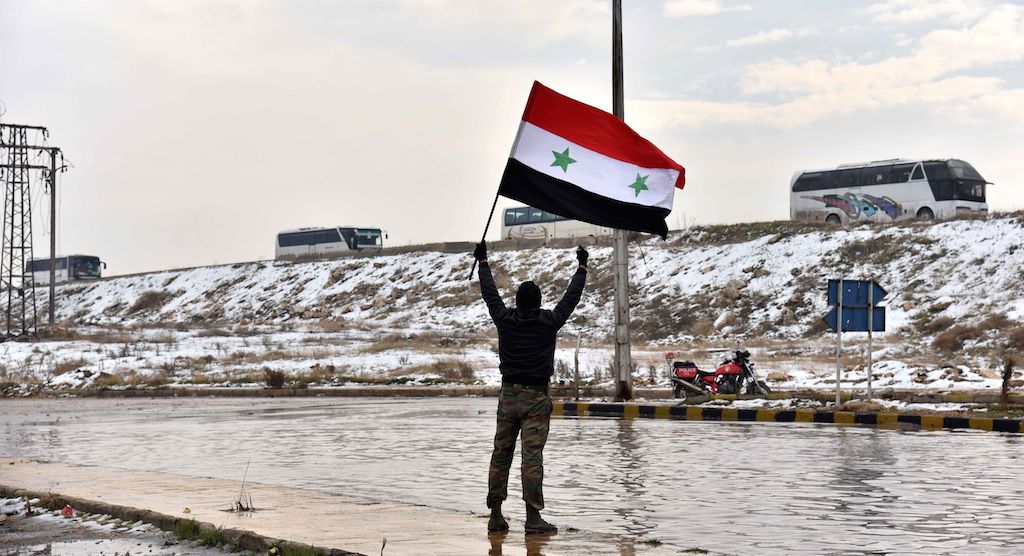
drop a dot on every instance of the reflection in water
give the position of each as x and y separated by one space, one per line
728 487
534 543
631 469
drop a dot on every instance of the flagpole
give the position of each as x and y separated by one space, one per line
620 253
487 226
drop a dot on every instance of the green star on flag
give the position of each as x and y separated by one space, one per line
640 184
562 159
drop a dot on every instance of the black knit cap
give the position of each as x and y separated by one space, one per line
528 296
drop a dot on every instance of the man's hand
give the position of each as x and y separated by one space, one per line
582 255
480 253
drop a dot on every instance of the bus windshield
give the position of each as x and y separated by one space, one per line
964 171
85 267
368 237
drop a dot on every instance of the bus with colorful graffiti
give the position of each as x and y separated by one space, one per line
888 190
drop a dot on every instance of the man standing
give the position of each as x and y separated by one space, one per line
526 351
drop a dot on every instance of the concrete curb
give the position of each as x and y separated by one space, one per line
245 540
693 413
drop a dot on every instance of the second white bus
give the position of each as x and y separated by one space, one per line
316 242
888 190
532 223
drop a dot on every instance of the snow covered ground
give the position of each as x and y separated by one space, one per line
49 532
955 309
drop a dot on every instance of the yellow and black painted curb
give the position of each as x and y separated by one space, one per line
696 413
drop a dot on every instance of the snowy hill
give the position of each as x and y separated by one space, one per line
753 280
956 297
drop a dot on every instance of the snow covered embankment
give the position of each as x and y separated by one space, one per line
955 297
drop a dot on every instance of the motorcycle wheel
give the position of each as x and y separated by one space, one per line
677 391
764 387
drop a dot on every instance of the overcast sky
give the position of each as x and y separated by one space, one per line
198 129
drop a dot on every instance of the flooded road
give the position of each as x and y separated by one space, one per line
743 488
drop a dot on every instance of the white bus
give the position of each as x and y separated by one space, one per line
888 190
531 223
71 267
315 242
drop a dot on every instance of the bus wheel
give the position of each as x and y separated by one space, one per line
925 214
833 219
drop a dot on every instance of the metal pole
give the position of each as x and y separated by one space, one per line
483 236
871 326
576 366
620 255
839 339
53 233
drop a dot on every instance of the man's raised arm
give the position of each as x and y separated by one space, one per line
573 293
495 306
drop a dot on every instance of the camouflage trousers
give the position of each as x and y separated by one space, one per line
527 410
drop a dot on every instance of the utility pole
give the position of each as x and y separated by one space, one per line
53 234
620 253
16 276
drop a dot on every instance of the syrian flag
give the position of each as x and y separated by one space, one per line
580 162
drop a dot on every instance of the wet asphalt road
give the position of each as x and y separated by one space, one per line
744 488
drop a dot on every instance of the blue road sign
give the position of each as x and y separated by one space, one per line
855 319
855 293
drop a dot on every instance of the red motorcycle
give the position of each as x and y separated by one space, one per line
733 376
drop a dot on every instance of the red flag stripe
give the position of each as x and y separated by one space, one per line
594 129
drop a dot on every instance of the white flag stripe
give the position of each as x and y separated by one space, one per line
594 171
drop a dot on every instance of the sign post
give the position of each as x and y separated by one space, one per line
854 310
839 343
871 314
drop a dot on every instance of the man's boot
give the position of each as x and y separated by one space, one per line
534 523
497 521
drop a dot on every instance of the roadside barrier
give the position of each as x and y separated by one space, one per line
696 413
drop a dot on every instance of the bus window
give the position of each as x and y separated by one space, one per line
829 180
551 217
918 173
807 182
536 215
522 214
970 191
874 175
848 178
900 173
510 217
939 180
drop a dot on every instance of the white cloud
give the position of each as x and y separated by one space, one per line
911 11
771 36
686 8
977 96
930 75
996 38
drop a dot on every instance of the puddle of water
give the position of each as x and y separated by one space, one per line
730 487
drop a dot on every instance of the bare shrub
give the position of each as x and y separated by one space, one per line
660 318
333 325
1015 339
429 342
59 333
149 300
109 337
953 339
452 368
69 365
938 325
212 333
274 379
995 321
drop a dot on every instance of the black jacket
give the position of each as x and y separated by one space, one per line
526 337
